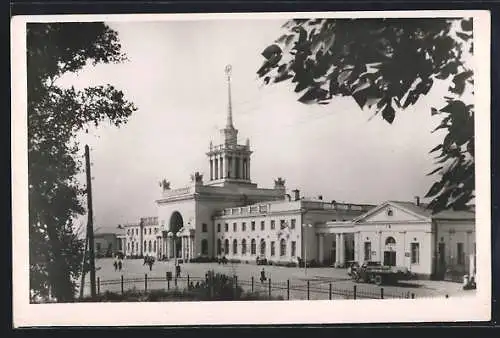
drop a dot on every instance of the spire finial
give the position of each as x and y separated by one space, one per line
229 122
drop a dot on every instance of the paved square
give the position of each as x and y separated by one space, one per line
319 280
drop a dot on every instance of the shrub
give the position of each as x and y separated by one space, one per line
203 259
234 260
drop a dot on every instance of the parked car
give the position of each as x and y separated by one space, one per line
351 265
261 260
375 272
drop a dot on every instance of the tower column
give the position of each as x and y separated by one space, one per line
221 167
233 171
211 168
248 169
240 171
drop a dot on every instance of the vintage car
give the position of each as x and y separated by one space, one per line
261 260
351 265
375 272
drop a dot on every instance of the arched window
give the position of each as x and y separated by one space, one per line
235 247
253 247
137 246
262 247
204 247
145 246
219 246
390 240
282 247
243 246
149 246
154 246
226 246
128 246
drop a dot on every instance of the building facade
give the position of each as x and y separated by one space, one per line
228 215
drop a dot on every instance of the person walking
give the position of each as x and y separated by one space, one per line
177 270
115 263
120 265
262 276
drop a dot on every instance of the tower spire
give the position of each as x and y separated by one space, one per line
229 122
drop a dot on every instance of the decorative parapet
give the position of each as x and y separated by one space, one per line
177 192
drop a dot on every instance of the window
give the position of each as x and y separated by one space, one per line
262 247
204 247
272 248
460 254
204 227
415 253
226 227
253 247
243 247
154 246
219 246
368 251
145 231
128 232
235 246
137 231
243 226
218 227
98 247
273 224
390 241
149 246
156 230
253 225
128 246
282 224
294 248
262 225
292 223
282 247
226 246
137 246
145 246
235 227
150 231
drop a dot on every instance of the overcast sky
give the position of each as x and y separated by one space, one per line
175 76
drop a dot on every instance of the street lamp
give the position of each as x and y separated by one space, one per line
305 226
172 236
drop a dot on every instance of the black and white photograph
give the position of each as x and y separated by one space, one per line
251 168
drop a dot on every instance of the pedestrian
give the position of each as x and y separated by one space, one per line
120 265
150 263
263 276
177 270
115 263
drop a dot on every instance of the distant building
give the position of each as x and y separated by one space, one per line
142 238
106 243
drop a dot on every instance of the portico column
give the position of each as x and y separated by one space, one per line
211 168
356 246
342 249
337 249
321 256
248 169
192 247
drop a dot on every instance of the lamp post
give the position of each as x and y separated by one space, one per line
172 236
305 226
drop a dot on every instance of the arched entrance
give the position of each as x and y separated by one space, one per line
175 225
390 252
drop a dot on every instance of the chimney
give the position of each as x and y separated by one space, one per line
296 194
417 201
320 197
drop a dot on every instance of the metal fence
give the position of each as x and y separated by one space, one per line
287 290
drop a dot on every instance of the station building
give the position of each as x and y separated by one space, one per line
227 214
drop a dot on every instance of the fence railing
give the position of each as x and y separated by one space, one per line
288 290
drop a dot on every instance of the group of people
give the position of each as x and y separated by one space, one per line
118 263
149 260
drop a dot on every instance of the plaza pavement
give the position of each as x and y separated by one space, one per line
319 280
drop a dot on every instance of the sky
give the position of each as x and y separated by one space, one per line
175 76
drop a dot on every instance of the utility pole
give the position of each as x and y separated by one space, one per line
84 265
90 225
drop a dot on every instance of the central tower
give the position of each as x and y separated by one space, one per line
229 161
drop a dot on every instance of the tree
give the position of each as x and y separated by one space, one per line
55 116
387 65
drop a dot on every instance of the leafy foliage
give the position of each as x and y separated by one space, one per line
55 116
387 65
